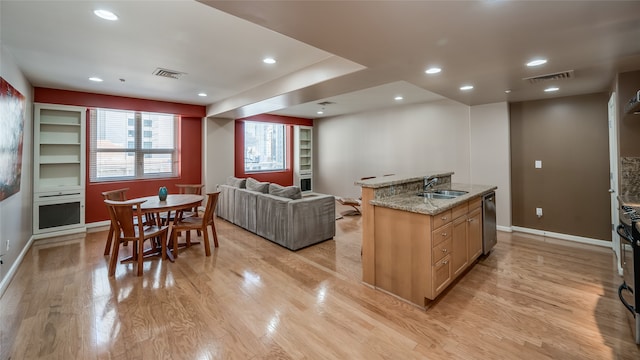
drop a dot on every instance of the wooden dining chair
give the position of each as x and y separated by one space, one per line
198 223
127 220
116 195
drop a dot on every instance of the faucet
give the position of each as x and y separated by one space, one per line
429 183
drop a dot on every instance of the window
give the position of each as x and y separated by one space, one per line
118 153
264 147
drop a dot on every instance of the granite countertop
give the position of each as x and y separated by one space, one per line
384 181
417 204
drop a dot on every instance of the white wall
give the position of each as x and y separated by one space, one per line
218 151
490 154
16 210
413 139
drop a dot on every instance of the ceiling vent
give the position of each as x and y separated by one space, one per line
564 75
168 73
325 103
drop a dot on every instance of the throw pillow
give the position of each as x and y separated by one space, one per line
236 182
291 192
255 185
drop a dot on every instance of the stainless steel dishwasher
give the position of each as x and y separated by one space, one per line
489 236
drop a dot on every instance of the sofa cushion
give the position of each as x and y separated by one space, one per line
236 182
291 192
255 185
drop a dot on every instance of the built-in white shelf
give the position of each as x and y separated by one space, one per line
59 168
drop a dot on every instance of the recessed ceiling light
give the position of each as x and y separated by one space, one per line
320 112
269 60
96 79
398 98
551 89
507 91
433 70
106 14
466 87
202 94
537 62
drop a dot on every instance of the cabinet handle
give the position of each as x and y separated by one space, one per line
444 250
469 220
444 218
445 262
444 234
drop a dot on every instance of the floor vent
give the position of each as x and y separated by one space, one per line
564 75
168 73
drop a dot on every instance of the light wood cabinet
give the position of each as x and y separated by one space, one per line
417 256
474 233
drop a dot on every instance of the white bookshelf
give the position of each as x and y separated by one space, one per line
59 168
303 158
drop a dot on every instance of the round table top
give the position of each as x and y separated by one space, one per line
173 202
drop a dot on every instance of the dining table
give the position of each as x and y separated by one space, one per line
153 206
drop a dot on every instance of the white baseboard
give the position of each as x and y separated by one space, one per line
14 268
504 228
580 239
60 233
98 226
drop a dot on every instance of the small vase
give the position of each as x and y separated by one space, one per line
162 193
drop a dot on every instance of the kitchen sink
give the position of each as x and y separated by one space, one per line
433 195
442 194
453 193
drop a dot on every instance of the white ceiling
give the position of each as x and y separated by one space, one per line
356 54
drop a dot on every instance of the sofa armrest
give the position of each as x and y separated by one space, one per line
226 202
272 220
311 220
245 209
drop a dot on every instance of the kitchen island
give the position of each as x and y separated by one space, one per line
412 246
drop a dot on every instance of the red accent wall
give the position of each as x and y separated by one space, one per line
189 138
284 178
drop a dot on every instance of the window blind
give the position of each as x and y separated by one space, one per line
132 145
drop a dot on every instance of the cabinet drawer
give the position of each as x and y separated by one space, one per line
459 210
441 275
441 250
441 219
475 203
441 234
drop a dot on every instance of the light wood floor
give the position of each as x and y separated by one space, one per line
532 298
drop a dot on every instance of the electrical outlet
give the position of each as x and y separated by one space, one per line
539 212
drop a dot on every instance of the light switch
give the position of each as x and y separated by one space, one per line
538 164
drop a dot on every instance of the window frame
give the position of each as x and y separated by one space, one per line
139 151
284 147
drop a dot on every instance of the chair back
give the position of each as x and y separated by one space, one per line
190 188
117 195
122 215
212 200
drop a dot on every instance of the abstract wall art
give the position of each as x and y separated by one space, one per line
12 114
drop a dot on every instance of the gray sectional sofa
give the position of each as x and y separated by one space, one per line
277 213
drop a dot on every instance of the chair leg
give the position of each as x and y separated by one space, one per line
163 245
107 246
140 255
188 236
215 234
207 247
174 241
114 258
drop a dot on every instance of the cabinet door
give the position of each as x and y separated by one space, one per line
474 230
441 272
459 245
